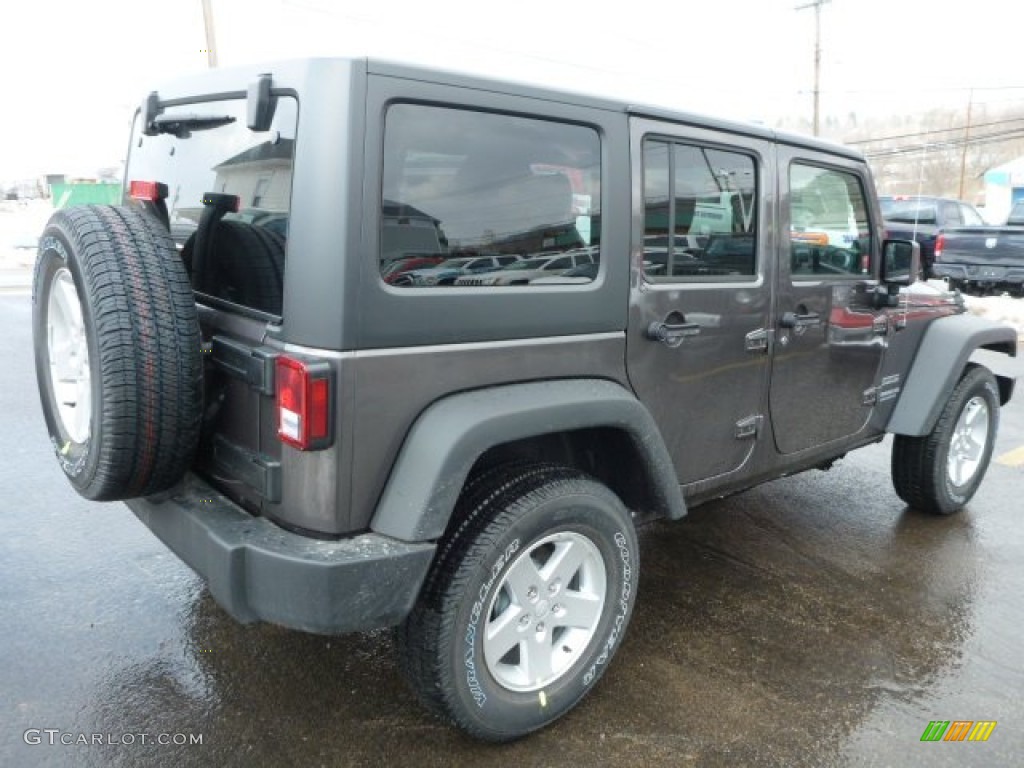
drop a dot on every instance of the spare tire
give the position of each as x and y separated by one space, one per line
117 350
244 265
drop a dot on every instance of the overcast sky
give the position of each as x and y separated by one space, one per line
73 70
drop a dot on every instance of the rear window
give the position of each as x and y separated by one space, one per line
458 184
211 163
909 211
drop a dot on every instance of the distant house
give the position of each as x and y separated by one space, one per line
261 176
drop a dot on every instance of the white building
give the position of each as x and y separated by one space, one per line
1004 185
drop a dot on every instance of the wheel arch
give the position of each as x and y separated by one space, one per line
947 348
582 422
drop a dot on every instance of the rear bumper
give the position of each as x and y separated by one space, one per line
980 274
258 571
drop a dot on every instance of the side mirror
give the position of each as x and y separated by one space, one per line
260 104
150 109
901 262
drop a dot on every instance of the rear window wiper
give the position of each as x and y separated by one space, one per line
182 126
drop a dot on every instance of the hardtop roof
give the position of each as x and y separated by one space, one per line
234 81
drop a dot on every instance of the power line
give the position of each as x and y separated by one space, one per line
989 138
933 131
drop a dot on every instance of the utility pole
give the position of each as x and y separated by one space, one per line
211 43
967 140
816 5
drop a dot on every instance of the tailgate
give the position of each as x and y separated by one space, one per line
239 449
1002 246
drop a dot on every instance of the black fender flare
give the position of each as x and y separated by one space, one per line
945 349
452 433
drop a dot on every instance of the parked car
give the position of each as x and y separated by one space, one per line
585 273
446 272
394 271
921 218
470 467
522 272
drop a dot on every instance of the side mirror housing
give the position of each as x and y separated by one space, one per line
901 262
260 103
150 109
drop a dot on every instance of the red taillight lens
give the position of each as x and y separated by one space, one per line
153 191
303 403
940 244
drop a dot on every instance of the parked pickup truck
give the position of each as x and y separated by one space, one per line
982 259
923 218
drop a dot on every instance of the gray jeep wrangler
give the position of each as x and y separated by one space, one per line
661 309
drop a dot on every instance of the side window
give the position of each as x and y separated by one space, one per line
951 215
699 213
459 184
971 217
830 232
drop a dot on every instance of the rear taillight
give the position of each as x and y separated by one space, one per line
940 244
303 402
152 191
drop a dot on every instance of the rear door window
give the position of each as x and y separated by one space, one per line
228 196
699 213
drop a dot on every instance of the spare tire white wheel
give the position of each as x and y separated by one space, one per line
117 351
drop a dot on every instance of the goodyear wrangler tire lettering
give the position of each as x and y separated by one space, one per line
472 681
117 352
526 603
625 603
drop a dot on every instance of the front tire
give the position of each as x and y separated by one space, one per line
940 472
526 604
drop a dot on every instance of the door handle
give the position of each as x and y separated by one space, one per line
671 334
793 320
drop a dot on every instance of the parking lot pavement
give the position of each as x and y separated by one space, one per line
813 621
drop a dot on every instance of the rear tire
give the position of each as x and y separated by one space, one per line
117 352
940 472
526 603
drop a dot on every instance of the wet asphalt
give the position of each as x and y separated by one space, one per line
812 621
